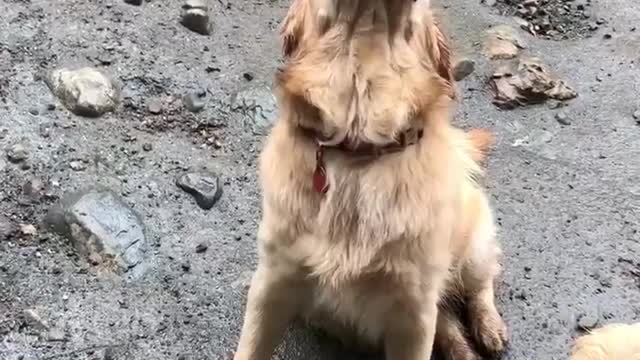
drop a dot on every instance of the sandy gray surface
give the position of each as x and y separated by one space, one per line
567 197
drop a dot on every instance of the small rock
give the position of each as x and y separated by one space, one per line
33 319
147 147
201 248
28 230
194 102
77 165
555 104
562 118
587 322
17 153
45 130
248 76
636 115
134 2
98 222
186 267
94 259
204 187
463 68
607 36
34 111
503 43
56 335
85 92
195 17
7 228
606 283
155 107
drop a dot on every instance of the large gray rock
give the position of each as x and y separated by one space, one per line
259 107
101 227
85 91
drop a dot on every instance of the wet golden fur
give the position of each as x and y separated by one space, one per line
611 342
372 259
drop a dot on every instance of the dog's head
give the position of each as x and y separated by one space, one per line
363 70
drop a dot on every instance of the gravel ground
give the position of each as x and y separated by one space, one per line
566 192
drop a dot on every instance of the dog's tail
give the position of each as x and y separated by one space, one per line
481 142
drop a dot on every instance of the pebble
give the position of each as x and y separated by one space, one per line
248 76
204 187
77 165
45 130
34 111
17 153
201 248
463 68
155 107
133 2
195 17
33 319
56 335
195 102
587 322
636 115
28 230
563 118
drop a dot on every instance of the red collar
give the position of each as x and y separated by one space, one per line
361 149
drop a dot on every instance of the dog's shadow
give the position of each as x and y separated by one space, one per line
303 343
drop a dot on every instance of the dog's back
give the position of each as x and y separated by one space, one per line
611 342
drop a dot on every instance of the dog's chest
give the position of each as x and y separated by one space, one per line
354 312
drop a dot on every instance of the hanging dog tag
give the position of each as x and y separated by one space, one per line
320 183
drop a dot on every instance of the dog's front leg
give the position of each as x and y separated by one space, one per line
411 332
272 303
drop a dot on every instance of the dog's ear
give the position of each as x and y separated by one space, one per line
293 26
438 47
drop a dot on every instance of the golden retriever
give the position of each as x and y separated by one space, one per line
611 342
373 220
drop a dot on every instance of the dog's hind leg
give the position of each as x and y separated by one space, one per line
478 274
451 342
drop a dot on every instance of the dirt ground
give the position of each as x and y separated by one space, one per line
567 195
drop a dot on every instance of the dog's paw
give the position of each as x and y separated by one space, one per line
489 331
